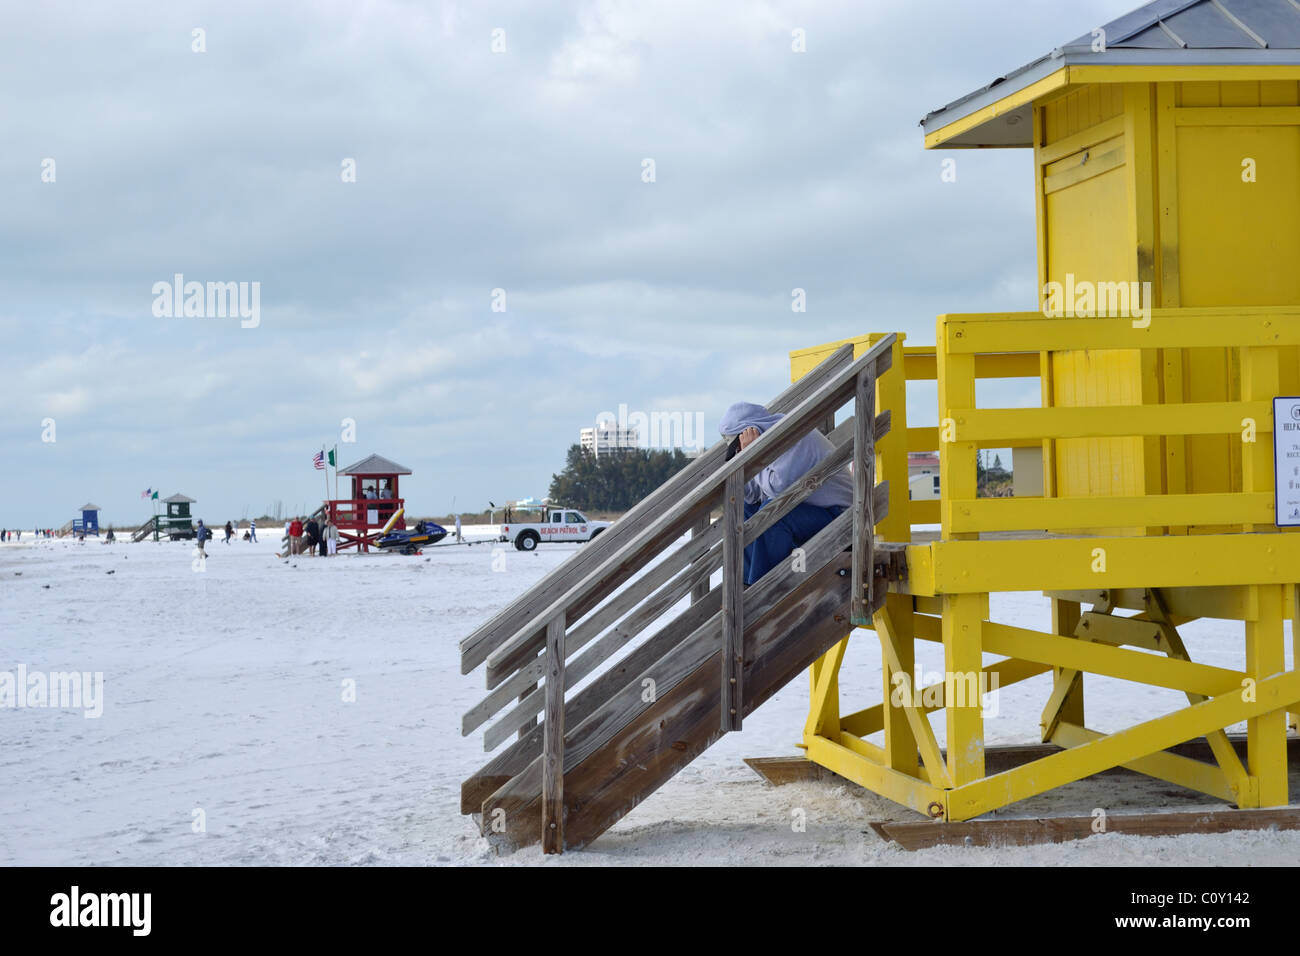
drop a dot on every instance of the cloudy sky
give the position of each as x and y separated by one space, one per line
519 170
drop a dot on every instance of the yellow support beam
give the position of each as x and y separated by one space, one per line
824 708
1065 564
902 789
1224 754
870 720
1121 747
1024 514
1066 700
1182 604
1121 631
902 696
1266 730
1032 424
963 653
1184 771
1169 328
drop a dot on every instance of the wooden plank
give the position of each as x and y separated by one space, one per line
553 741
611 643
700 590
696 550
659 534
733 587
1029 831
864 474
779 771
476 647
531 723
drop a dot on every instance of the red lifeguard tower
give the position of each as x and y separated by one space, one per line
362 517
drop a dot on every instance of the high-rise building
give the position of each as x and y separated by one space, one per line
607 437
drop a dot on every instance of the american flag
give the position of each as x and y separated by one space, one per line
318 460
146 493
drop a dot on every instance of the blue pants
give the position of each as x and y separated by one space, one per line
776 543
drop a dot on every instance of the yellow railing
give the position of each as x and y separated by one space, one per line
971 347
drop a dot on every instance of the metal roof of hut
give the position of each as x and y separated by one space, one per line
1161 33
375 465
179 499
90 508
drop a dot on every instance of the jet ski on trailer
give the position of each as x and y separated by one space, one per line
412 539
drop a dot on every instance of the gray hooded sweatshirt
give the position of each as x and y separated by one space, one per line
780 475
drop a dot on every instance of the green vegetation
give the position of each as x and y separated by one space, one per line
616 480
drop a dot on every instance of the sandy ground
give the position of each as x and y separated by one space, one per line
225 704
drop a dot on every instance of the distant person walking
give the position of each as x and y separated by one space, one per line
295 536
201 534
230 532
458 537
313 537
252 531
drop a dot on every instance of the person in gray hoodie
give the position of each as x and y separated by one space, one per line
742 424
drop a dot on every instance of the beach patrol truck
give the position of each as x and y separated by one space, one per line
561 524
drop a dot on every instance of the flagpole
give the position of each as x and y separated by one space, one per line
326 469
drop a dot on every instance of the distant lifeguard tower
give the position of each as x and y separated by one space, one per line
88 523
176 522
360 519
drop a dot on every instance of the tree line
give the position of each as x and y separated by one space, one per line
616 480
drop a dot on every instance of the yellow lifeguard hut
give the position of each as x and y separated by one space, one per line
1167 345
1167 181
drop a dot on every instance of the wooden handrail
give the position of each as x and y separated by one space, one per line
701 556
515 667
522 645
478 645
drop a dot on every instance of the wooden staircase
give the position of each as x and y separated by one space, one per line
642 716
